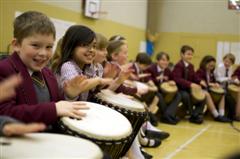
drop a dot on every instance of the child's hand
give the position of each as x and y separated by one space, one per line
203 83
195 86
74 87
172 83
8 85
106 81
71 109
110 70
12 129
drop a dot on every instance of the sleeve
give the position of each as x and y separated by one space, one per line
178 78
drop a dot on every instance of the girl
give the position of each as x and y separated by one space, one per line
206 74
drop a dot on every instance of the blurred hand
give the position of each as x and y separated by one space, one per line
75 86
110 70
203 83
8 85
71 109
13 129
172 83
195 86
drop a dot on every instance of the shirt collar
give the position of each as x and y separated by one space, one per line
186 64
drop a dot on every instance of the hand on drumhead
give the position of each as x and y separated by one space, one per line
195 86
74 87
71 109
172 83
203 83
12 129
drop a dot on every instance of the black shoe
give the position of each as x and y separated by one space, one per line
145 154
222 119
153 119
151 143
161 135
196 119
176 118
168 120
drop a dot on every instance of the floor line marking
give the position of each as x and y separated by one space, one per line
181 147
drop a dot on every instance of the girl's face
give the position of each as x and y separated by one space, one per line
142 67
210 66
85 54
163 62
100 55
227 62
121 56
187 56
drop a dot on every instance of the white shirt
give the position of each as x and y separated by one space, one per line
220 73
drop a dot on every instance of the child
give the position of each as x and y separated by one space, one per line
159 74
223 74
206 74
186 79
77 55
37 98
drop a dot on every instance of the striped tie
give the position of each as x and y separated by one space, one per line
38 79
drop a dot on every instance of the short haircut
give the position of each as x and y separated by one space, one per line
230 56
101 41
185 48
143 58
161 54
114 47
30 23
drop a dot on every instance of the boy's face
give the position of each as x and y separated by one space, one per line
35 51
163 62
100 55
187 56
85 54
121 57
227 62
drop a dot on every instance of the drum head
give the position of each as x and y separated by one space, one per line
217 90
233 88
198 94
166 87
121 101
100 123
49 146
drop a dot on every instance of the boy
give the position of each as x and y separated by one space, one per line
159 74
37 97
185 77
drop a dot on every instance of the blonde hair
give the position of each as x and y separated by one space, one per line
230 56
57 57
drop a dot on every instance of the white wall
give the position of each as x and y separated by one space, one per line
129 12
196 16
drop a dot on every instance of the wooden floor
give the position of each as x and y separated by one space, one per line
211 140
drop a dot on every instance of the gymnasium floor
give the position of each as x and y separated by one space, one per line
211 140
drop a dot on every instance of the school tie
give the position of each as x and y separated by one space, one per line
37 78
226 73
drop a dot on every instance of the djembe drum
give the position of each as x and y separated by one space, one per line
131 108
233 90
216 94
48 146
102 125
197 95
169 91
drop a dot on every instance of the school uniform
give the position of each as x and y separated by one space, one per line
169 110
202 74
26 105
237 73
184 75
223 76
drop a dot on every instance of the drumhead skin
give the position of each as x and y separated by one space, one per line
217 90
100 123
141 86
233 87
121 101
198 94
166 87
49 146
